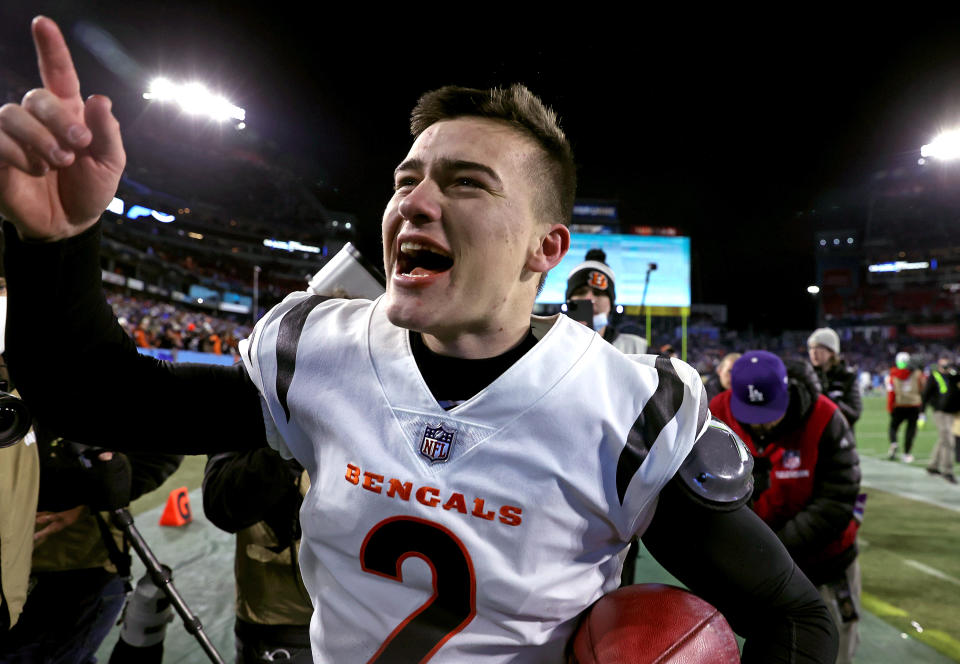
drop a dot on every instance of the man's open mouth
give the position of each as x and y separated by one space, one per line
420 260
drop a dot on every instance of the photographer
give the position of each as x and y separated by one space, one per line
19 482
79 562
593 280
806 476
257 495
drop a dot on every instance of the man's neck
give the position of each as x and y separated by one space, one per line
480 345
453 380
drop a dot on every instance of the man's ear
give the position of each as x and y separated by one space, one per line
553 246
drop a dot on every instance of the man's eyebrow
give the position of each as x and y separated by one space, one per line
409 165
464 165
448 164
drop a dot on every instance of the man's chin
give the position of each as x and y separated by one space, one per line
407 312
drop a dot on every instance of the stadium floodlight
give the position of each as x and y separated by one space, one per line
813 290
195 99
945 147
161 89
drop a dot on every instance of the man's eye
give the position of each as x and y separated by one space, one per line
467 182
404 182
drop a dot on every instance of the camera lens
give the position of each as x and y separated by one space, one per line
14 419
8 419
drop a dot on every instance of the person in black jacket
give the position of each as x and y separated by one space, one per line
838 381
80 564
806 476
942 392
257 495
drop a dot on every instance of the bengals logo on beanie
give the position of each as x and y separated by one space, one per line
593 272
598 280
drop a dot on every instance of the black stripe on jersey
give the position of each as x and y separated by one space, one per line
659 410
253 335
288 338
702 412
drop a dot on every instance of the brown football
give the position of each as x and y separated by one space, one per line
654 624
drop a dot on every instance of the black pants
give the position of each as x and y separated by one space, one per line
65 619
264 644
909 415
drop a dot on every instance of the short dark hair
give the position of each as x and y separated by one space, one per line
522 110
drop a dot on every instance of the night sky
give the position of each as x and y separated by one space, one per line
731 128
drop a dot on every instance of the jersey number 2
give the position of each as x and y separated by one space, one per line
453 603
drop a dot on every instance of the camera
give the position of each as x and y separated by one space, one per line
580 311
15 419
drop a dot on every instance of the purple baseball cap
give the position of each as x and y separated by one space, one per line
758 386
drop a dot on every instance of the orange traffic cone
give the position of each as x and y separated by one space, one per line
177 511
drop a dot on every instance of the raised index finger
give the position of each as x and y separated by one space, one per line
53 57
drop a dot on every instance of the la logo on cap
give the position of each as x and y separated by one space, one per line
754 394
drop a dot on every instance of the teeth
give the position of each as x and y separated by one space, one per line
411 248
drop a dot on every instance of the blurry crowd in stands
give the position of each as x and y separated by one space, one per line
873 357
154 324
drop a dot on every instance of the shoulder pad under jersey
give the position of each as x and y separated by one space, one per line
718 472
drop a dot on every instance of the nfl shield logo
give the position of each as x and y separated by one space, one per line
436 443
791 459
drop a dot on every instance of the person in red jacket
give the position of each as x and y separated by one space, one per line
904 399
806 477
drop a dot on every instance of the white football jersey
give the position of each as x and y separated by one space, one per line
479 532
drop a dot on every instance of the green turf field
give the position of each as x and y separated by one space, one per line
909 549
189 474
872 432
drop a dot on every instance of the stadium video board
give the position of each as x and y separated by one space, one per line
629 256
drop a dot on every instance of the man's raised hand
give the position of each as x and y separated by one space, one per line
60 157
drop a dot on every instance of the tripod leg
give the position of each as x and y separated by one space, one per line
162 579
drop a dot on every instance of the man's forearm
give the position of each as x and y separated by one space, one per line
734 561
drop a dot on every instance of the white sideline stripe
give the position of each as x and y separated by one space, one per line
907 481
926 569
912 496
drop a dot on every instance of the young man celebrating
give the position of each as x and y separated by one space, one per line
508 460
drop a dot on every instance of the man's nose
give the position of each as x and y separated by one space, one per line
422 204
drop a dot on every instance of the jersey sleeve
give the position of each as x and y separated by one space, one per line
269 356
672 419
